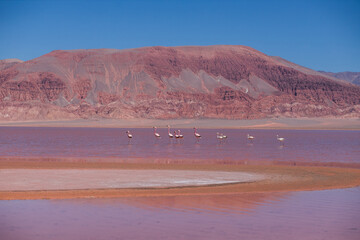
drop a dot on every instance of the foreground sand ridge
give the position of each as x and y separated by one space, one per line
72 180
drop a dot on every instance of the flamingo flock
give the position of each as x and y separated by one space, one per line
220 136
178 134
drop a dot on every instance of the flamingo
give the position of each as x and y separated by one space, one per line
196 134
129 135
220 136
170 135
179 135
155 133
280 139
251 138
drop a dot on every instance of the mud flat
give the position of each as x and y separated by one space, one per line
60 180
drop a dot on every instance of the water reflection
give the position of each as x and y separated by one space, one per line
330 214
222 203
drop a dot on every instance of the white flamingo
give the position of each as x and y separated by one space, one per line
157 135
251 138
170 134
129 135
196 134
220 136
280 139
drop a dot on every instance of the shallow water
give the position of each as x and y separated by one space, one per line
113 145
328 214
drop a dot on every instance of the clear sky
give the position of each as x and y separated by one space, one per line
319 34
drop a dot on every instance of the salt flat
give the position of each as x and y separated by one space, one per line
69 179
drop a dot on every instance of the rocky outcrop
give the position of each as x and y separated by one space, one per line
231 82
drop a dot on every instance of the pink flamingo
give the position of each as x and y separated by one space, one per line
129 135
178 135
196 134
221 136
170 135
280 139
251 138
155 133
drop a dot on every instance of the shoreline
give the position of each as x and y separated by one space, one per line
14 162
274 123
279 178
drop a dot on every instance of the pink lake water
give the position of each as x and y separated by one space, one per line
113 145
328 214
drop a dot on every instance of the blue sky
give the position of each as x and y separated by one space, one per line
322 35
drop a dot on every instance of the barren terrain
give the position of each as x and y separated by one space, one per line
212 82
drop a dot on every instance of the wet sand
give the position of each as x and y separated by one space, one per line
271 123
267 178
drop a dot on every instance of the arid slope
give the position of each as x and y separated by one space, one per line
228 82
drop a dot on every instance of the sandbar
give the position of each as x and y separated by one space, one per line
72 179
164 179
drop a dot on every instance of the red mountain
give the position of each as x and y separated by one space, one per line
231 82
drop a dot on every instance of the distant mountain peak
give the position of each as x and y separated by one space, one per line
352 77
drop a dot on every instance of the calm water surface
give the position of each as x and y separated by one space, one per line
329 214
113 145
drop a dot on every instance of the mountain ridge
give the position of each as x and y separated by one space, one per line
220 81
352 77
